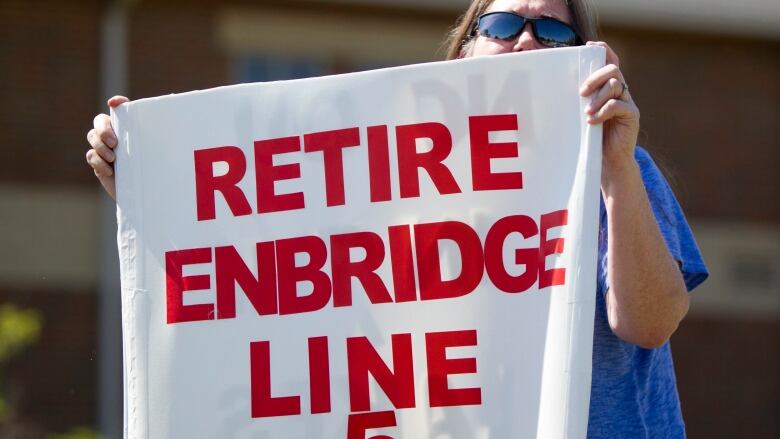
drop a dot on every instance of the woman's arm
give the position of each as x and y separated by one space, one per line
647 297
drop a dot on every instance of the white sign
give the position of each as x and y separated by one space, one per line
402 253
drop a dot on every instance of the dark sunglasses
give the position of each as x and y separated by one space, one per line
508 25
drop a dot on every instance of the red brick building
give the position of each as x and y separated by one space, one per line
705 75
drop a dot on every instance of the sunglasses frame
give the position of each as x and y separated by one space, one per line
577 42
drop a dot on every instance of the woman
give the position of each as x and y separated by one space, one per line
648 260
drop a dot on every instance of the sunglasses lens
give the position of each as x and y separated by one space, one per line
553 33
500 25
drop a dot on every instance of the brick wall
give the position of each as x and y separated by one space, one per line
48 93
710 115
172 50
48 89
727 376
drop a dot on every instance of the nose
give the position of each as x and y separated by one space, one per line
526 40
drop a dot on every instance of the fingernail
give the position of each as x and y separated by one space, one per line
111 156
111 141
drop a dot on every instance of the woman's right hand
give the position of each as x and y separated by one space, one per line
103 140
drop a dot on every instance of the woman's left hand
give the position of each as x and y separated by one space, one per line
613 106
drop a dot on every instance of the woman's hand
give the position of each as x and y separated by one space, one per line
612 106
103 140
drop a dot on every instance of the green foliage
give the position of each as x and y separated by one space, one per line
18 329
77 433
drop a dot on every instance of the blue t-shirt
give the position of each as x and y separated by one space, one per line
634 392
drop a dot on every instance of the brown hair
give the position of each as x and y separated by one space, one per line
460 37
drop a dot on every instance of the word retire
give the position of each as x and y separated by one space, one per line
332 143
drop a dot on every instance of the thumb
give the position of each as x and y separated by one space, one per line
117 101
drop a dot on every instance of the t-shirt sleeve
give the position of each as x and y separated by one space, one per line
671 220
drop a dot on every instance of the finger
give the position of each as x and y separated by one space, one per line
103 171
108 183
613 89
101 148
600 77
104 130
614 109
100 166
117 101
612 57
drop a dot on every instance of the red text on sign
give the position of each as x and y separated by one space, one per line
331 144
363 361
273 287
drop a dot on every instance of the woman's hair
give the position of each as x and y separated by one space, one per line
461 38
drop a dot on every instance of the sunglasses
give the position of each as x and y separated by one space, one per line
508 25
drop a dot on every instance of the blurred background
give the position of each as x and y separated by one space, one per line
706 75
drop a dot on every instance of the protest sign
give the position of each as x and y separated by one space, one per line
407 252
